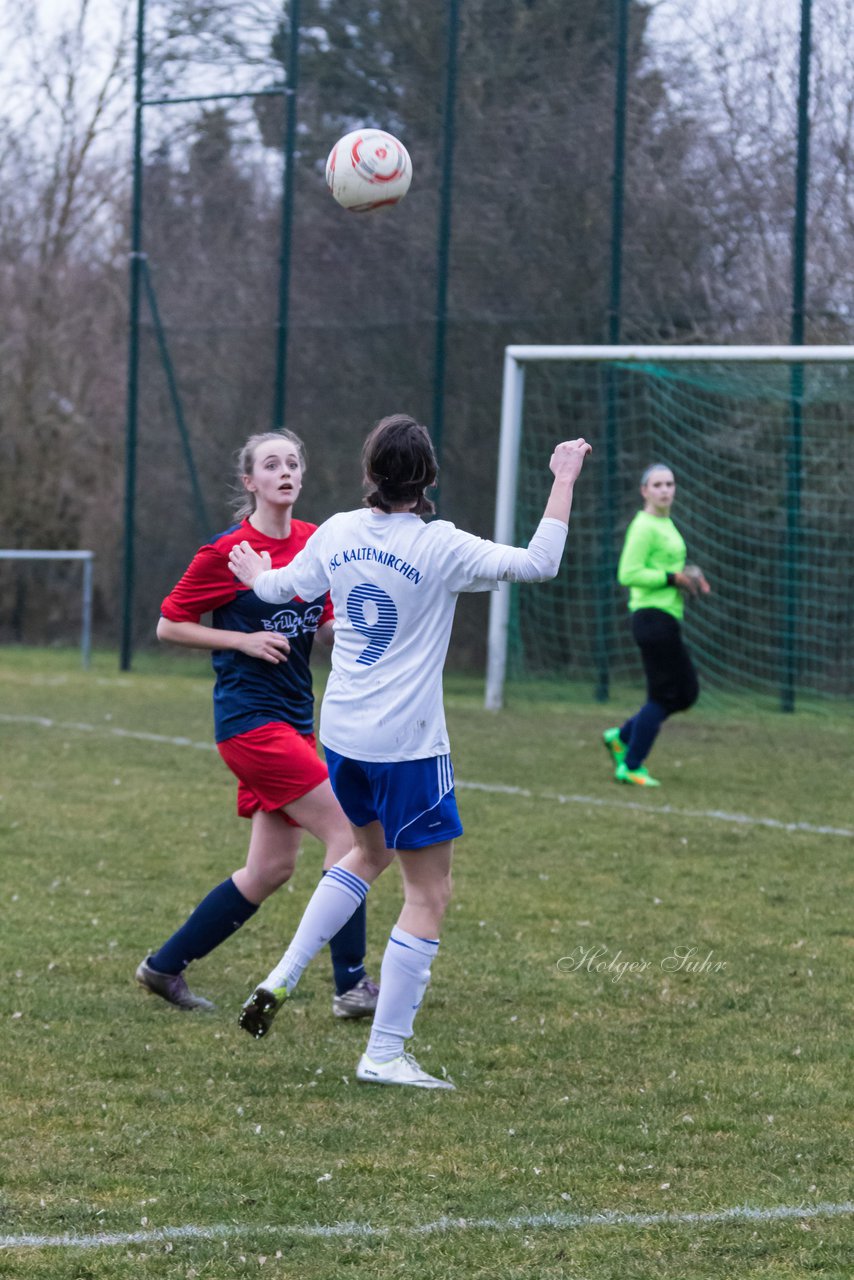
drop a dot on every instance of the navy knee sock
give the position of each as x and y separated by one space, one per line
216 918
644 727
347 948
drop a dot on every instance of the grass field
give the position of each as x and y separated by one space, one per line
703 1109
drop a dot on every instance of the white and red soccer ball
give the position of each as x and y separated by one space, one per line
368 169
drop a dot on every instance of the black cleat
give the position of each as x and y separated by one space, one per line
256 1016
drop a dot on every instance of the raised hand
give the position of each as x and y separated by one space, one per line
568 459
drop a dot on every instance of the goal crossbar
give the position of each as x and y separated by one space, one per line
763 355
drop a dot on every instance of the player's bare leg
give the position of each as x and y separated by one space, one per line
340 893
405 975
270 861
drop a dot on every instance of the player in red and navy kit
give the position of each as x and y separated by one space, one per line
264 725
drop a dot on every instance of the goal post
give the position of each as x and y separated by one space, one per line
759 438
86 558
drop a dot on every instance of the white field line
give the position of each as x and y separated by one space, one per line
45 723
493 788
516 1222
716 815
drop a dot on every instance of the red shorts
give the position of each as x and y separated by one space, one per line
274 765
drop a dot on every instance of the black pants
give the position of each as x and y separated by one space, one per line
671 680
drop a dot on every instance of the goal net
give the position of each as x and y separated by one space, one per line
761 442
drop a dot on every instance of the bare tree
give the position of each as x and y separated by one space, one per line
65 90
734 67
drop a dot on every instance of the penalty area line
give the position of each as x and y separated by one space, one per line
441 1226
492 788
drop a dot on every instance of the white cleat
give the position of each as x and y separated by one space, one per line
402 1070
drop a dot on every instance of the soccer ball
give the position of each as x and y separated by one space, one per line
368 169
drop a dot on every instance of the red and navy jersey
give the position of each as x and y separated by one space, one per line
248 691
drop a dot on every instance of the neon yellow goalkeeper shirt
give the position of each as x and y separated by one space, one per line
653 548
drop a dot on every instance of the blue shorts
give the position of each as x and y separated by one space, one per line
412 799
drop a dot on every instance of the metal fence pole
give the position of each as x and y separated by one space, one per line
443 247
290 100
794 449
605 577
86 626
133 351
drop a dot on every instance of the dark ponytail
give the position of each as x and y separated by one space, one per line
398 465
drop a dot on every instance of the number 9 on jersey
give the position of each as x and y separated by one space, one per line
373 614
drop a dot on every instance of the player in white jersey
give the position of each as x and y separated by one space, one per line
394 582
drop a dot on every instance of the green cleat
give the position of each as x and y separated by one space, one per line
614 745
256 1016
634 777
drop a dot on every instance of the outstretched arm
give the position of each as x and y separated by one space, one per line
305 576
246 563
482 562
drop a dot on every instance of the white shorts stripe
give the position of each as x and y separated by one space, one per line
444 784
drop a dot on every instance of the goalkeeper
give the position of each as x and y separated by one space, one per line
652 565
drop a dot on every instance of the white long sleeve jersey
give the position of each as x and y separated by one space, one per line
394 582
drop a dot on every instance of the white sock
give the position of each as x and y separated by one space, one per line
331 905
403 981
